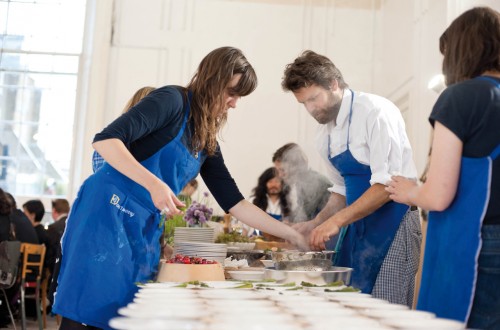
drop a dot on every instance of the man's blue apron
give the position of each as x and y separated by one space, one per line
112 236
364 244
454 241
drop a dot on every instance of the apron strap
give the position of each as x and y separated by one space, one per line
494 155
496 83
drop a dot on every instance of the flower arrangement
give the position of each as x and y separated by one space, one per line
198 213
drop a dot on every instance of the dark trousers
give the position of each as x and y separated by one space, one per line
67 324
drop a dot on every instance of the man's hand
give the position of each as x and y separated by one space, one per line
321 234
305 227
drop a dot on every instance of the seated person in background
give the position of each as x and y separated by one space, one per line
97 160
308 189
5 211
35 211
270 196
22 227
188 191
60 211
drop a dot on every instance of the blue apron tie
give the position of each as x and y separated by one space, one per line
364 244
454 241
112 235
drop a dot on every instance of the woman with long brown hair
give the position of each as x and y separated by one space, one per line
112 234
461 271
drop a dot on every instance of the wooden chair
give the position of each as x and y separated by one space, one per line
33 256
45 288
10 252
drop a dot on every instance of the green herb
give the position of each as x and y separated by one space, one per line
245 285
195 283
276 285
295 289
346 289
331 284
232 237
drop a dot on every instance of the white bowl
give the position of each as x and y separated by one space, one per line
267 263
246 275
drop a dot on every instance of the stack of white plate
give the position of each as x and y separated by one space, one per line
189 234
209 251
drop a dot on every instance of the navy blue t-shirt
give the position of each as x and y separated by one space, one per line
154 122
471 110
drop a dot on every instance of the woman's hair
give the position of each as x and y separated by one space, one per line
260 192
471 45
5 207
138 95
311 69
208 86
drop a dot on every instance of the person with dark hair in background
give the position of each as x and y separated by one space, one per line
461 271
362 138
5 235
97 160
35 211
270 195
60 211
5 211
187 192
22 226
307 189
151 152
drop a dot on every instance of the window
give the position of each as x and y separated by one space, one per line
40 47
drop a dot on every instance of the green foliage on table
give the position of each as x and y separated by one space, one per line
232 237
170 224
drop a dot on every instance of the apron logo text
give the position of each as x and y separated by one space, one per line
115 200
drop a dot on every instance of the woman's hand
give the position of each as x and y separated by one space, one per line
401 189
299 241
321 234
164 199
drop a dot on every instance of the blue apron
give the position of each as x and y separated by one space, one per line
364 244
278 217
112 236
454 241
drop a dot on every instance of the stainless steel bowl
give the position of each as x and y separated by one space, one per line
303 261
315 277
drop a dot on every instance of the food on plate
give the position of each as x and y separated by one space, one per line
181 259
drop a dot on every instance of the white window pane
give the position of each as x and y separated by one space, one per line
40 45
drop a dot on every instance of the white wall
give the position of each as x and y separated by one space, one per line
388 47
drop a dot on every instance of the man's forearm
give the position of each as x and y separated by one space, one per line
371 200
335 203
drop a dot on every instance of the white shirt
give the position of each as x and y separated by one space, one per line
377 138
273 207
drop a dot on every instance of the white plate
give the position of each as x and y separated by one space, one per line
398 314
435 324
125 323
246 275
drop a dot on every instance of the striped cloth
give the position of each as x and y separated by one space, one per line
97 161
396 279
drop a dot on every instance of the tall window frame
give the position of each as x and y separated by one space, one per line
41 44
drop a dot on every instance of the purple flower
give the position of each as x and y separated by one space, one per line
198 213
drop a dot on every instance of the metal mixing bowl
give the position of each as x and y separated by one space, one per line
303 261
316 277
